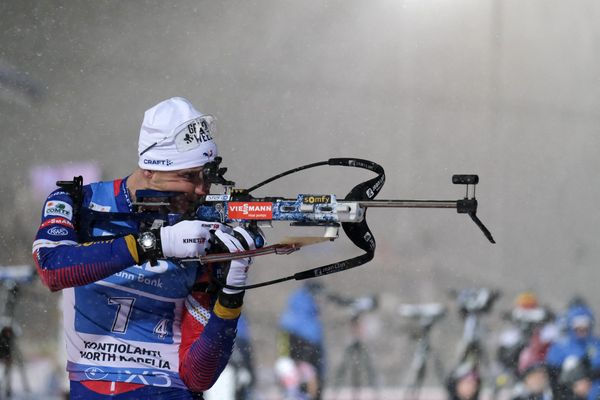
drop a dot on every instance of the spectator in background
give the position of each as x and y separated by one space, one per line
514 339
531 331
534 383
578 342
301 363
532 370
525 342
464 382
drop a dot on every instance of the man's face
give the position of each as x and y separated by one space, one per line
582 331
467 387
536 381
581 325
582 387
189 182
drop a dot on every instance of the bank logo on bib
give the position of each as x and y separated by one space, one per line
95 373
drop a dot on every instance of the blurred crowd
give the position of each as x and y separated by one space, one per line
548 355
538 353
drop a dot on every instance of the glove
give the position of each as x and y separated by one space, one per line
238 240
185 239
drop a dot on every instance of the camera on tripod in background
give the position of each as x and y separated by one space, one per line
356 305
363 304
421 319
476 300
11 278
356 364
421 316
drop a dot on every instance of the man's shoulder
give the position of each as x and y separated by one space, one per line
61 198
62 193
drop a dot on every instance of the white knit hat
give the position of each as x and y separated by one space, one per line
174 135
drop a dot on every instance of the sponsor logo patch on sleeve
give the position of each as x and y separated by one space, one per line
56 221
58 208
57 231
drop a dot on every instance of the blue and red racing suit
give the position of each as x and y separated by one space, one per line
129 326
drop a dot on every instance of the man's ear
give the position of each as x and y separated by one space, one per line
147 173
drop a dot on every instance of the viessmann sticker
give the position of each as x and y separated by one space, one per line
253 210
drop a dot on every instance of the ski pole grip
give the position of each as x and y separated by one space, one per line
465 179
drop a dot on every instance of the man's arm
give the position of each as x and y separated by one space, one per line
207 339
207 336
62 261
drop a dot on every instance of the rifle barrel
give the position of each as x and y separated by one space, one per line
409 203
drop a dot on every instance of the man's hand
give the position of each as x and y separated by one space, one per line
185 239
238 240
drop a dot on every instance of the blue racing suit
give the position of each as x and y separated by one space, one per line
129 328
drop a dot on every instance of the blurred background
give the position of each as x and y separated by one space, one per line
506 89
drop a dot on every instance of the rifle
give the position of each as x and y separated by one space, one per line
238 206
